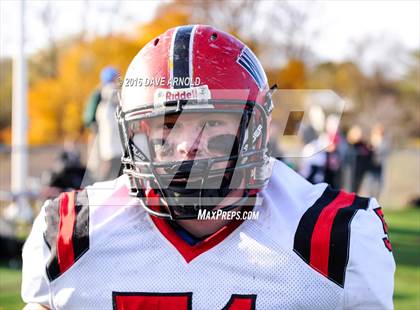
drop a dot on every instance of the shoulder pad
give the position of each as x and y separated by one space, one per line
322 238
67 232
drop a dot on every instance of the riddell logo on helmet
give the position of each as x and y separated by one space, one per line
199 93
181 95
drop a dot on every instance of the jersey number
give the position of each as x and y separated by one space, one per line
380 214
173 301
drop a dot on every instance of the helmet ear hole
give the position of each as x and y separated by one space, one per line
156 41
213 37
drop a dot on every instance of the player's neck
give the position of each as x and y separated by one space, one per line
201 228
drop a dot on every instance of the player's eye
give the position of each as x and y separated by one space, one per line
170 122
212 123
170 125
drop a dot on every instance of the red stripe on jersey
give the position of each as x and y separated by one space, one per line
320 242
65 251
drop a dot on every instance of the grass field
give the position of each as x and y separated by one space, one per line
404 234
404 231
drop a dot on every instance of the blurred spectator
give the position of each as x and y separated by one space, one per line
315 126
11 251
322 157
108 75
381 148
358 157
314 162
335 152
99 116
323 165
68 173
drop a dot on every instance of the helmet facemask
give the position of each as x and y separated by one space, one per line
196 69
182 187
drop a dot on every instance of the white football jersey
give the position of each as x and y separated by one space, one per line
312 247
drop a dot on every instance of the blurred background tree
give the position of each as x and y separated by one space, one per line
5 93
65 71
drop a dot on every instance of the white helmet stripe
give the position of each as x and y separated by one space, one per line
191 48
171 55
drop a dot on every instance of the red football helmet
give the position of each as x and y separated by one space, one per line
195 69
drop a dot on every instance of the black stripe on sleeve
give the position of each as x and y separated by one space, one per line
80 236
340 240
52 219
53 270
181 57
303 235
81 229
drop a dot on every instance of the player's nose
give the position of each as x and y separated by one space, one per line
189 144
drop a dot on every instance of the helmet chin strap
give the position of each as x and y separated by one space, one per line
184 203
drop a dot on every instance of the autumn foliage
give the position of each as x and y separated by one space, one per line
56 104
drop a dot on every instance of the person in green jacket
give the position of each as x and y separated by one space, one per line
107 75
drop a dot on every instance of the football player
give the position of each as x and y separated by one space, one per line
194 118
